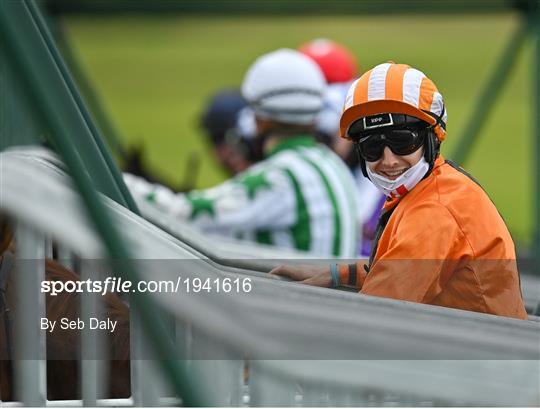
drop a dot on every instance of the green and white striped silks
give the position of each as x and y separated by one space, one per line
301 197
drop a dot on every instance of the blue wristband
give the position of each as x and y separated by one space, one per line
335 275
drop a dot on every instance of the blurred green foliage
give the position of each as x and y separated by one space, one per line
154 74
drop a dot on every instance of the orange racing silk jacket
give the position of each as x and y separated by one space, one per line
444 243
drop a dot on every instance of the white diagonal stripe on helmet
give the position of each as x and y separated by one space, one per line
377 82
350 95
437 106
412 79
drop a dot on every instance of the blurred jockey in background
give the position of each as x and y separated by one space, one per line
301 196
340 68
230 125
234 151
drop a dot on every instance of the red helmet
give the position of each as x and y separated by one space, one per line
336 62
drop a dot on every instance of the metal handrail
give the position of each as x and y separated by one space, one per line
16 19
94 132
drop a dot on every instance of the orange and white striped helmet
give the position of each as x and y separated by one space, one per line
398 89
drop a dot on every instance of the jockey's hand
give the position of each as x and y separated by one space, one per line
306 274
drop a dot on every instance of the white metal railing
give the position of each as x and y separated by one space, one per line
30 374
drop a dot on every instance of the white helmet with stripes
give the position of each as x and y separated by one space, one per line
398 89
285 86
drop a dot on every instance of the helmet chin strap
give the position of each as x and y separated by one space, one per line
258 146
361 160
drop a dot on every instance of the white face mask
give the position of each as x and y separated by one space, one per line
404 183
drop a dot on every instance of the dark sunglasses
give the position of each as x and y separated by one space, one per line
400 141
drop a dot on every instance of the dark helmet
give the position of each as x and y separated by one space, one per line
221 113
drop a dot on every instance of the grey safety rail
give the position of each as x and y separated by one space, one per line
230 252
349 349
233 254
226 252
222 249
530 289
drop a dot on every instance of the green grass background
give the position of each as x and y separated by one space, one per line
154 74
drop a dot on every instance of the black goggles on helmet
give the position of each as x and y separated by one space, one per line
403 134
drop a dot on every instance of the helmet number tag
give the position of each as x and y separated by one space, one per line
377 121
